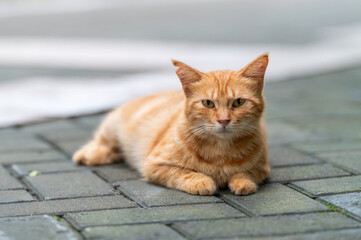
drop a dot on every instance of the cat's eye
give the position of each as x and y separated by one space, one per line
238 102
208 103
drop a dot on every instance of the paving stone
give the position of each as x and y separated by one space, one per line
15 196
117 172
351 202
71 146
150 195
285 156
279 132
35 228
336 126
297 98
49 167
10 137
51 125
91 122
23 144
31 156
327 146
152 215
321 187
77 134
348 160
64 206
347 234
68 185
6 132
273 199
295 173
135 232
12 132
266 226
7 182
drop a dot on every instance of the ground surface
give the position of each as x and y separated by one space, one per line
314 190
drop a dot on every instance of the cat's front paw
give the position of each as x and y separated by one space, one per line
201 185
242 186
94 154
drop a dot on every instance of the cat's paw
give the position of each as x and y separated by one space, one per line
201 185
94 154
242 186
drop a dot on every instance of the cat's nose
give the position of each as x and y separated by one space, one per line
224 122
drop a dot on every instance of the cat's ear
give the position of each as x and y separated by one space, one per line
186 74
255 71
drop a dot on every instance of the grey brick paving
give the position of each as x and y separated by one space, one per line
274 199
327 146
286 156
55 135
349 160
15 196
6 132
90 122
117 172
329 186
31 156
50 125
64 206
22 144
68 185
152 215
7 181
312 97
280 133
348 234
295 173
288 224
49 167
35 228
135 232
343 127
70 146
314 146
351 202
150 195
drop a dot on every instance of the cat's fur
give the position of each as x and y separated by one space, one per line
175 141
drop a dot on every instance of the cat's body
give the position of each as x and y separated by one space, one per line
175 139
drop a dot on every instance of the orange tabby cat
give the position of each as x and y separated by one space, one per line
209 135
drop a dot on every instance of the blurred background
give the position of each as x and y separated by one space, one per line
62 58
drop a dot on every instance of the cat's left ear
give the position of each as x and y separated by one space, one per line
187 75
255 71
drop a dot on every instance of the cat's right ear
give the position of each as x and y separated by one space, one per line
186 74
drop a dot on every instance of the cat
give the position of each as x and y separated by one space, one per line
205 137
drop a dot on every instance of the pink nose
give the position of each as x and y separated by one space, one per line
224 122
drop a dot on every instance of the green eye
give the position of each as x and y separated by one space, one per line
208 103
238 102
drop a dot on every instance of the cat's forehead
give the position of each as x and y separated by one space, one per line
222 84
221 75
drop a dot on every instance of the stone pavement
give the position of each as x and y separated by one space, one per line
314 191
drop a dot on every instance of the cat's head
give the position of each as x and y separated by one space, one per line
224 104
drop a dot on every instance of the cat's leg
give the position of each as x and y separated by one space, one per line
245 183
180 178
104 147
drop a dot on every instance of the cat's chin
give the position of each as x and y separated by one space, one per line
224 134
